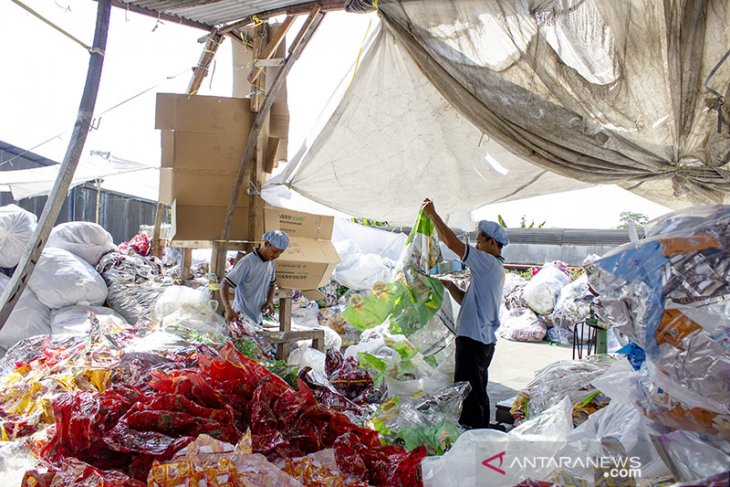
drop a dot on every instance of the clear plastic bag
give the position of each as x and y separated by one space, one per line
541 292
573 304
181 306
134 284
523 325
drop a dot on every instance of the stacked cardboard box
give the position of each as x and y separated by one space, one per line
311 258
203 139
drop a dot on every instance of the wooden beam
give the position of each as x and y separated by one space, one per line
272 46
261 39
52 208
258 123
157 231
206 57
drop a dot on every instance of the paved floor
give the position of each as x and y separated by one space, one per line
514 366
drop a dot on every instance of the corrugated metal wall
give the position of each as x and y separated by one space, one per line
121 214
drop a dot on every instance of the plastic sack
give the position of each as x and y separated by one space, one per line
307 357
349 254
134 284
515 298
541 292
180 306
522 325
570 378
563 336
74 320
84 239
413 298
16 231
62 279
573 304
511 281
29 318
486 457
363 274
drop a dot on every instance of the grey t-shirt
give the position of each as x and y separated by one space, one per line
251 277
479 314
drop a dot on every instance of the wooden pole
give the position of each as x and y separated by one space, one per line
27 264
206 57
271 47
313 21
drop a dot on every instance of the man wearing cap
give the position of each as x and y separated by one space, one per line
478 318
254 279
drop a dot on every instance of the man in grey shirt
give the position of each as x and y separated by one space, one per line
479 313
254 279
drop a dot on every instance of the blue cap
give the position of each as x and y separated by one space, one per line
277 238
495 231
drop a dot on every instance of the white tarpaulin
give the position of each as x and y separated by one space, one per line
393 133
39 181
473 102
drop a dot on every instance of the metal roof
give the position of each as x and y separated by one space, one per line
209 14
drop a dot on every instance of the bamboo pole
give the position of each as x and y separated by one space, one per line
206 57
308 30
27 264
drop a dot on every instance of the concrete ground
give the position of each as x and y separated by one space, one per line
514 365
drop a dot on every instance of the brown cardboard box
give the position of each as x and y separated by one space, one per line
197 113
200 150
311 258
206 222
198 187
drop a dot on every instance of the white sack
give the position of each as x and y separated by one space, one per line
29 318
62 279
16 230
541 292
74 320
522 325
84 239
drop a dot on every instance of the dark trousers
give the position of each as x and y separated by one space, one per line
472 365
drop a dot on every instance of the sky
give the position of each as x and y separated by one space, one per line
44 73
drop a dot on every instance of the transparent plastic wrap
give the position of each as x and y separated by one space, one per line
29 318
433 423
75 320
134 284
16 230
522 325
541 292
475 454
180 306
84 239
692 457
573 304
333 319
570 378
669 293
413 298
62 279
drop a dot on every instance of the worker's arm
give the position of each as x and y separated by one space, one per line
454 290
446 234
268 307
230 314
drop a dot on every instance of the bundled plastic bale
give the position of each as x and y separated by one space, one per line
573 304
541 292
188 308
29 318
16 230
74 320
134 282
511 281
670 294
62 279
522 325
84 239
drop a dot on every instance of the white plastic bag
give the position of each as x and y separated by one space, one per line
30 317
74 320
349 254
541 292
573 304
84 239
369 269
62 279
307 357
522 325
16 230
189 308
511 281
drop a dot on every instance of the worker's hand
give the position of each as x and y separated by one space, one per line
230 314
268 308
428 208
